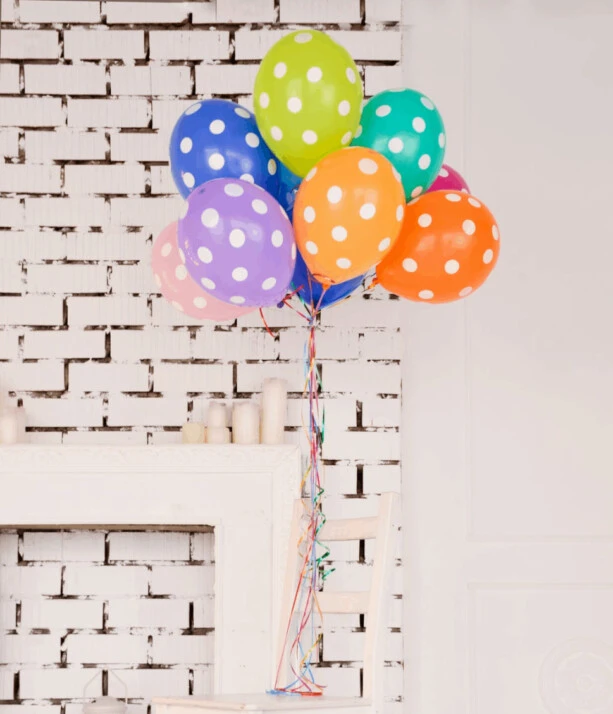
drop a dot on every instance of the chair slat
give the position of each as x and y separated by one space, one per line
343 603
349 529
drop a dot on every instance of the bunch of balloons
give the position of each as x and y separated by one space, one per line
314 190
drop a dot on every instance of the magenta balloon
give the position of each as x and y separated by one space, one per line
449 179
238 243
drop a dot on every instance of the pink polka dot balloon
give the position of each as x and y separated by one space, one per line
238 243
449 179
172 278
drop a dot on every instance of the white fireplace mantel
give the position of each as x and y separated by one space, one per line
244 492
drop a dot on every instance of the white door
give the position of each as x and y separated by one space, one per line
508 396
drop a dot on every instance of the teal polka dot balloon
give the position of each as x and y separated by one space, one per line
406 127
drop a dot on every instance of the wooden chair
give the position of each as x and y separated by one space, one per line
372 603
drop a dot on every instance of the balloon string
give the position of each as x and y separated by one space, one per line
270 332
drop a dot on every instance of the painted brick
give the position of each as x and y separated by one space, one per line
108 113
204 613
92 377
234 345
106 438
340 11
68 411
9 79
203 546
182 580
30 649
22 178
285 317
151 682
193 45
8 549
113 44
43 375
203 680
56 683
123 178
111 245
149 546
164 314
148 81
237 11
122 13
71 278
133 279
44 146
166 112
161 180
169 378
7 681
66 212
381 412
107 311
340 681
31 111
8 616
378 79
374 377
225 79
330 344
369 446
32 245
42 11
139 411
9 345
30 44
251 376
8 9
382 344
182 649
11 278
9 142
144 612
61 614
11 214
347 646
383 10
379 479
157 212
138 147
117 580
65 79
20 581
111 649
201 408
57 344
18 709
134 345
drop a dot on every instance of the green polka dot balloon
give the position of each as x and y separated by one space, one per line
406 127
307 98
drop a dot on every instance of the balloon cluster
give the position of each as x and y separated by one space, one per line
313 191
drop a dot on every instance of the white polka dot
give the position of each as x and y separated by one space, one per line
343 263
204 255
200 302
177 306
252 140
368 166
264 100
294 251
259 206
424 162
339 233
425 294
359 131
395 145
474 202
309 214
186 145
425 220
350 74
335 193
311 247
240 274
180 272
469 227
294 104
453 197
303 37
242 113
441 140
443 172
233 189
346 138
217 126
311 173
488 256
409 265
427 103
367 211
247 177
182 256
184 210
397 175
158 280
237 238
400 213
193 109
344 108
309 136
188 179
495 232
314 74
208 284
419 125
452 267
276 133
416 191
237 299
280 70
166 250
272 167
269 283
216 161
277 239
383 110
385 244
209 217
465 291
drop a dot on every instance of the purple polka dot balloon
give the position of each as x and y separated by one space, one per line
238 243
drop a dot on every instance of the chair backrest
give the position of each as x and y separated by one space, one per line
372 603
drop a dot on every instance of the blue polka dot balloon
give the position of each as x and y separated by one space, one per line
217 138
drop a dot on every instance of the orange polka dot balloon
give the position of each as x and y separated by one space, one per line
448 245
348 213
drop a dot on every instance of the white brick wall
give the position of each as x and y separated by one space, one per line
90 94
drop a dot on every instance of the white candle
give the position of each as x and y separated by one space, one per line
245 423
217 435
193 433
10 426
274 406
217 416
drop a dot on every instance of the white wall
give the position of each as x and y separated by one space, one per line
508 395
